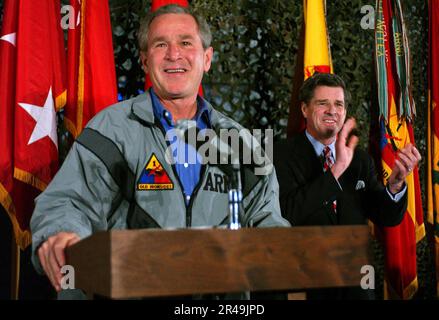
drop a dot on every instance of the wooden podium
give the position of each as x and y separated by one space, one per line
154 263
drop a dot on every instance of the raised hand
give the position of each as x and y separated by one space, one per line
408 158
344 148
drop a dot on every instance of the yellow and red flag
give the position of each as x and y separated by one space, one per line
32 66
317 51
314 56
433 129
91 70
396 115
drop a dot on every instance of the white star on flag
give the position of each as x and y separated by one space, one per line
10 37
45 117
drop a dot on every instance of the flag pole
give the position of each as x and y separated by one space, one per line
15 268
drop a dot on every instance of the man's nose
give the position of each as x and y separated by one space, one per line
331 108
173 52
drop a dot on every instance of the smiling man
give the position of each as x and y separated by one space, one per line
325 180
118 175
176 54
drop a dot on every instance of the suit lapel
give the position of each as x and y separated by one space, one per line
308 166
306 159
350 177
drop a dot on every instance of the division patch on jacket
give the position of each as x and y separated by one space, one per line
154 176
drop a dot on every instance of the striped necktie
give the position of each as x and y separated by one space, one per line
327 164
327 158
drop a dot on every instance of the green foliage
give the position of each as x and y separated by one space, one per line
256 44
125 18
251 75
352 53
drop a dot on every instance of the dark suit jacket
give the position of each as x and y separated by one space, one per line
307 193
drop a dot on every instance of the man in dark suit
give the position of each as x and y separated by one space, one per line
325 180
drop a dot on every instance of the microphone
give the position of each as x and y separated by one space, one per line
217 146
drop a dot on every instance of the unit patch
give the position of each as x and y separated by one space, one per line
154 176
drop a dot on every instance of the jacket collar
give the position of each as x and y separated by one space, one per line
142 109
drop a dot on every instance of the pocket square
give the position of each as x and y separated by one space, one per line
360 185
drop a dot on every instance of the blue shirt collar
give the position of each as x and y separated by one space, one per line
202 117
318 146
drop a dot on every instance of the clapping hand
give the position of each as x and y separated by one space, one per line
408 158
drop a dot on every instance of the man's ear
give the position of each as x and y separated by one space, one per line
208 54
303 108
144 61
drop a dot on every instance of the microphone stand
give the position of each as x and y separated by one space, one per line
235 198
233 170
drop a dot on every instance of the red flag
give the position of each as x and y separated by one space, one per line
91 70
160 3
396 114
154 6
32 66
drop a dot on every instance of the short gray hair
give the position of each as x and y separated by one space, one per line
203 27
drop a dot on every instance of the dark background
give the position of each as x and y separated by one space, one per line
255 45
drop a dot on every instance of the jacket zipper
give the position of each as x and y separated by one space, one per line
197 187
194 193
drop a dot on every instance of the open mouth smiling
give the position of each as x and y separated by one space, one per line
175 70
